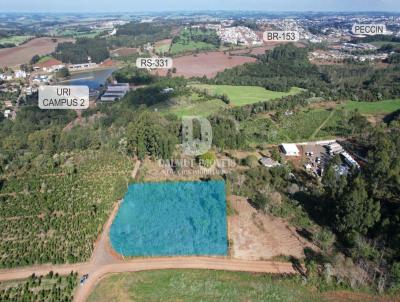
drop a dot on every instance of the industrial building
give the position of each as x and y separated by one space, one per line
115 92
290 150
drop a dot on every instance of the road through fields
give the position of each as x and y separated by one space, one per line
105 261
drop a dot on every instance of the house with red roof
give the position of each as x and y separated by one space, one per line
50 65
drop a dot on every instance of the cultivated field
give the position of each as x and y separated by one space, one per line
244 95
48 216
374 108
23 53
14 40
205 64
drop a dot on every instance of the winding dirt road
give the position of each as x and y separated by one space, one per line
105 261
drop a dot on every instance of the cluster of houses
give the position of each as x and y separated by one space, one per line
239 35
11 75
53 65
317 157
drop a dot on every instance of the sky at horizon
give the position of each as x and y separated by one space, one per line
184 5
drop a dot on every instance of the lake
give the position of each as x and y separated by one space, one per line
93 79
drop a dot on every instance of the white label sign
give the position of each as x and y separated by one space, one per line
369 29
154 63
64 97
281 36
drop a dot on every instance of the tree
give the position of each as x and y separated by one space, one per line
207 159
251 161
260 200
355 211
34 59
63 73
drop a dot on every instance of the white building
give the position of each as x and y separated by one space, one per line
6 77
20 74
290 150
115 92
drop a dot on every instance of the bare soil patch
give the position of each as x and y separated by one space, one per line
258 236
125 51
163 42
23 53
205 64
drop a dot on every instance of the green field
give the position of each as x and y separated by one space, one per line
178 48
305 125
76 34
193 104
204 108
45 59
17 40
190 40
162 48
372 108
244 95
201 285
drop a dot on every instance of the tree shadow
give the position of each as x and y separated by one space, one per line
317 208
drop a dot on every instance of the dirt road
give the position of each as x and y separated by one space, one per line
182 263
105 261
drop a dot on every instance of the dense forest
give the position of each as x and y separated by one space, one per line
198 35
83 49
136 34
287 66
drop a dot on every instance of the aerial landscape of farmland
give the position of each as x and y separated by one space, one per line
210 151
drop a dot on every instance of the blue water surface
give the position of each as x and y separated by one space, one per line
171 219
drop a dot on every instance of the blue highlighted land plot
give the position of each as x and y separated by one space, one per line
171 219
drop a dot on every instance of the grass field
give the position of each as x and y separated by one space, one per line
178 48
45 59
162 48
17 40
187 41
193 104
244 95
372 108
305 125
204 108
76 34
201 285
